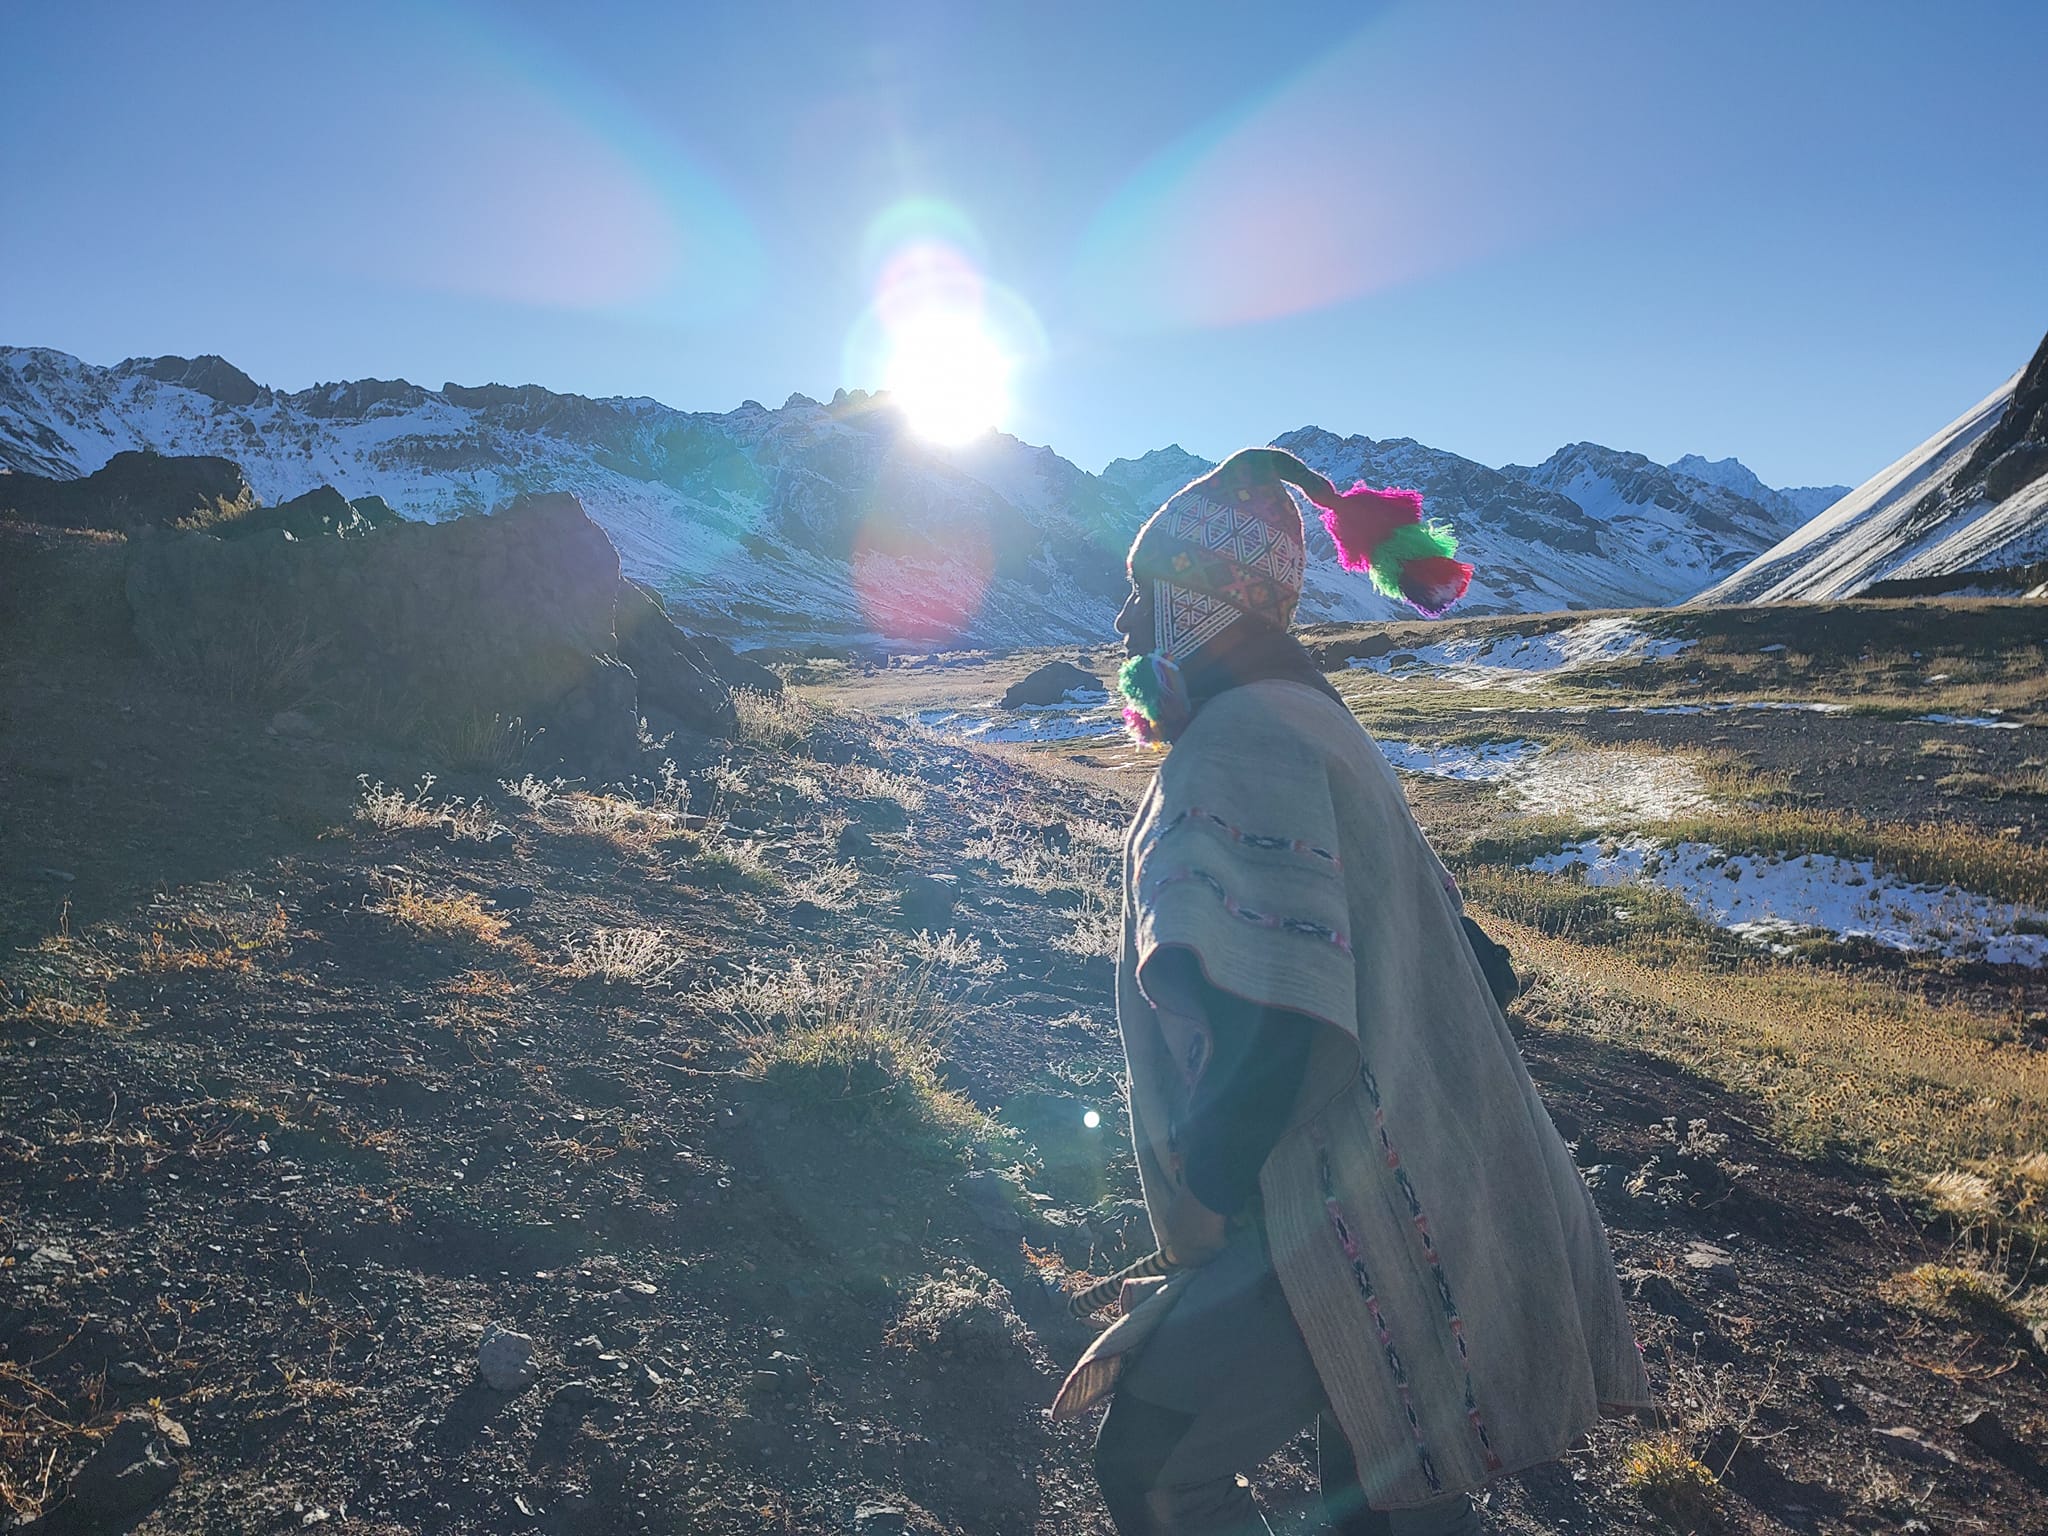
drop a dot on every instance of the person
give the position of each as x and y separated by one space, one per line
1368 1220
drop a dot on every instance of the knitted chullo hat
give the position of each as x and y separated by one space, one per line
1230 546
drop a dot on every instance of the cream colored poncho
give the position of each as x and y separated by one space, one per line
1439 1251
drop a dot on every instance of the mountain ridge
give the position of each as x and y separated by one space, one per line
821 521
1950 514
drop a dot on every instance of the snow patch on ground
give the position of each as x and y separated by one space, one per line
1724 706
1480 661
1489 763
1768 898
1604 787
1982 722
1599 788
1084 715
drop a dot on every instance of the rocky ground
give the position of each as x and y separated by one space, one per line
473 1158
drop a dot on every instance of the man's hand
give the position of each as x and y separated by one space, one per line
1196 1234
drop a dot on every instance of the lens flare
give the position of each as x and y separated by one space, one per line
948 375
944 339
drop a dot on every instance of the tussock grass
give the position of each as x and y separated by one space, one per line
860 1043
781 722
394 810
455 919
480 743
256 660
208 942
2025 784
1970 1292
1643 920
1841 1063
1672 1483
622 956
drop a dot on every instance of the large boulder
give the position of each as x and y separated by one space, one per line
673 678
1050 684
645 624
133 490
510 615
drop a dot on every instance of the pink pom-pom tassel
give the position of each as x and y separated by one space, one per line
1362 517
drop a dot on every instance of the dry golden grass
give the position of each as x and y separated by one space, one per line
54 1011
624 956
1838 1060
1672 1483
1970 1292
459 918
208 942
779 721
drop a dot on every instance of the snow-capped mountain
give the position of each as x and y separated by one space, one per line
1696 530
831 520
1970 501
1793 505
814 520
1152 477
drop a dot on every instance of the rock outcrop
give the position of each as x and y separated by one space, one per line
511 615
133 490
1050 684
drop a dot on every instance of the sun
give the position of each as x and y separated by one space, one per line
947 374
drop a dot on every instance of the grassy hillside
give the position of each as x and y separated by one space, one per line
756 1092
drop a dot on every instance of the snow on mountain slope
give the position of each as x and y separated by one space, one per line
826 521
1972 498
1696 530
1794 504
833 522
1152 477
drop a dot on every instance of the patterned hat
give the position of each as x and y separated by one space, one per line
1226 546
1229 547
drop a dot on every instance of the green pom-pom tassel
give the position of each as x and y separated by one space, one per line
1410 541
1138 682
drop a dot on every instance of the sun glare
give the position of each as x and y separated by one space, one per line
948 375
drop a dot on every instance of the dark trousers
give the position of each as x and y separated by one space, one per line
1223 1383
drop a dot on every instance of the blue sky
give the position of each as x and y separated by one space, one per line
1805 234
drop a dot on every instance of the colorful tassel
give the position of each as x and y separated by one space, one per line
1410 560
1156 707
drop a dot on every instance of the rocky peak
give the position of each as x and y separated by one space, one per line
214 377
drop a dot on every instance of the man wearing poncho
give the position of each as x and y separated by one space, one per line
1369 1220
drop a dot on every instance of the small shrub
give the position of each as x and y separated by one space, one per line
835 887
1672 1483
213 943
860 1044
1097 929
391 810
950 952
531 792
52 1011
623 956
258 659
871 783
480 743
963 1315
460 918
780 721
1971 1292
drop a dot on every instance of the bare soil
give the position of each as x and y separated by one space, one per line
271 1161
